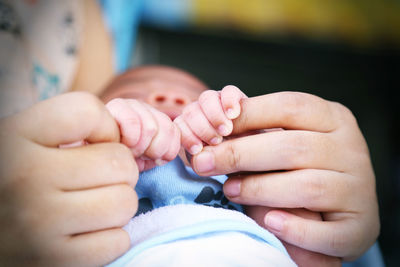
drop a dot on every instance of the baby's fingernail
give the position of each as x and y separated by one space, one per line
232 188
204 162
216 140
232 113
274 222
196 149
223 130
160 162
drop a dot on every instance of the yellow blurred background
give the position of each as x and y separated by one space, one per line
367 22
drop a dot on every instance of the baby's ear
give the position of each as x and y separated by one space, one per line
230 99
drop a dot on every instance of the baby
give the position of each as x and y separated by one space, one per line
183 219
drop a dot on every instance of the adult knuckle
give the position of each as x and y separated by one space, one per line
234 157
341 242
293 102
343 113
313 189
88 101
299 234
120 151
252 188
126 204
122 159
296 150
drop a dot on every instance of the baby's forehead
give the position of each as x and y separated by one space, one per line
160 80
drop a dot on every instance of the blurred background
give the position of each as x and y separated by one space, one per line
345 51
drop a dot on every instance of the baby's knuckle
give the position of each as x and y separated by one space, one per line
207 95
190 111
150 130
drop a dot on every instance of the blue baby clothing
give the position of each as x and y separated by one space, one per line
174 183
183 216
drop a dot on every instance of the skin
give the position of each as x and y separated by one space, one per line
167 89
43 187
320 162
199 123
144 101
64 206
66 235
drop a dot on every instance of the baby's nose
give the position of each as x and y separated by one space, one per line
168 99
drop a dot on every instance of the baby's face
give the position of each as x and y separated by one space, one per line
167 89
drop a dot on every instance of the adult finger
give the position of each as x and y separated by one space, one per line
93 248
328 237
96 209
287 110
313 189
66 119
301 256
280 150
88 166
210 104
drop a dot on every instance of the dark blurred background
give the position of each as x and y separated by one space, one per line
345 51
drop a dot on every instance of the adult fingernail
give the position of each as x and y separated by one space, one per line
204 162
232 188
274 222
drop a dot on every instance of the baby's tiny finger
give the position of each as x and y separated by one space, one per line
230 99
210 104
175 145
160 144
198 123
149 127
189 140
127 119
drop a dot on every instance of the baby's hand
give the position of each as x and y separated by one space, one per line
210 118
149 133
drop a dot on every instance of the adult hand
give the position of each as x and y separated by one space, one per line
317 160
64 206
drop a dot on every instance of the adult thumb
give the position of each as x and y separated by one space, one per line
65 119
